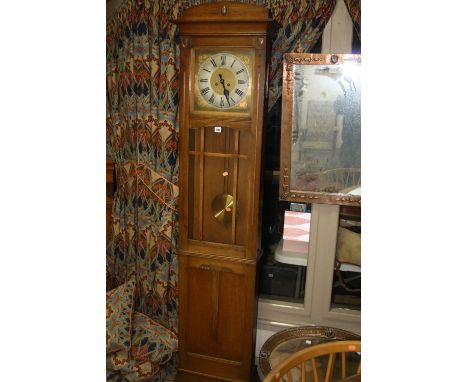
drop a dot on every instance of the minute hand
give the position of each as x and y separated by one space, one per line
226 92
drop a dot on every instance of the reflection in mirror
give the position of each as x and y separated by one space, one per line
326 129
325 152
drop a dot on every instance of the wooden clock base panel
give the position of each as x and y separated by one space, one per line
183 376
218 314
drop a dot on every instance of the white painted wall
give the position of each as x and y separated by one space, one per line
338 33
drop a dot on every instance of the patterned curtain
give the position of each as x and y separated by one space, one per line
142 139
302 23
354 9
121 145
142 134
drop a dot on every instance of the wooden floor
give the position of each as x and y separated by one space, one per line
186 377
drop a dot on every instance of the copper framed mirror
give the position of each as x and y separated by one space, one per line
321 129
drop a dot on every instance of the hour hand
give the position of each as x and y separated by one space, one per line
226 92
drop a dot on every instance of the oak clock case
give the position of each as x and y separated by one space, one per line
222 90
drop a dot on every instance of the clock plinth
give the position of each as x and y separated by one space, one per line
222 90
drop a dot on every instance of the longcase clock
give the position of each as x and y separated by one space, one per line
223 48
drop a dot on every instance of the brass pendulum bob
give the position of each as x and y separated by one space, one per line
222 207
222 204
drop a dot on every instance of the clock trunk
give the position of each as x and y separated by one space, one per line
220 169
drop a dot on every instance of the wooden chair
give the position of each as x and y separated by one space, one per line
298 362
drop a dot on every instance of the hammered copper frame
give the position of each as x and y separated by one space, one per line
321 129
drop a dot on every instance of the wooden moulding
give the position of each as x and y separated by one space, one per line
241 19
234 12
211 256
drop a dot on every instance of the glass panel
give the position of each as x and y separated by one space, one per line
284 267
194 180
244 167
321 128
346 290
215 195
193 197
218 200
326 129
194 140
283 282
219 140
242 202
244 143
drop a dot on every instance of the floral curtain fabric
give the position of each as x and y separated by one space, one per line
121 145
142 139
302 23
142 134
354 9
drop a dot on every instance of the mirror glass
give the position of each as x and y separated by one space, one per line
325 127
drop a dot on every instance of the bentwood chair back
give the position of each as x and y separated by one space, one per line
327 362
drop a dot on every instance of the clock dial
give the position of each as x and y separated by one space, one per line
223 80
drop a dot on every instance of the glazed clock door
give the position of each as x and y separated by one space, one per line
218 188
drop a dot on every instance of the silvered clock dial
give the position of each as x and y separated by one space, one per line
223 80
